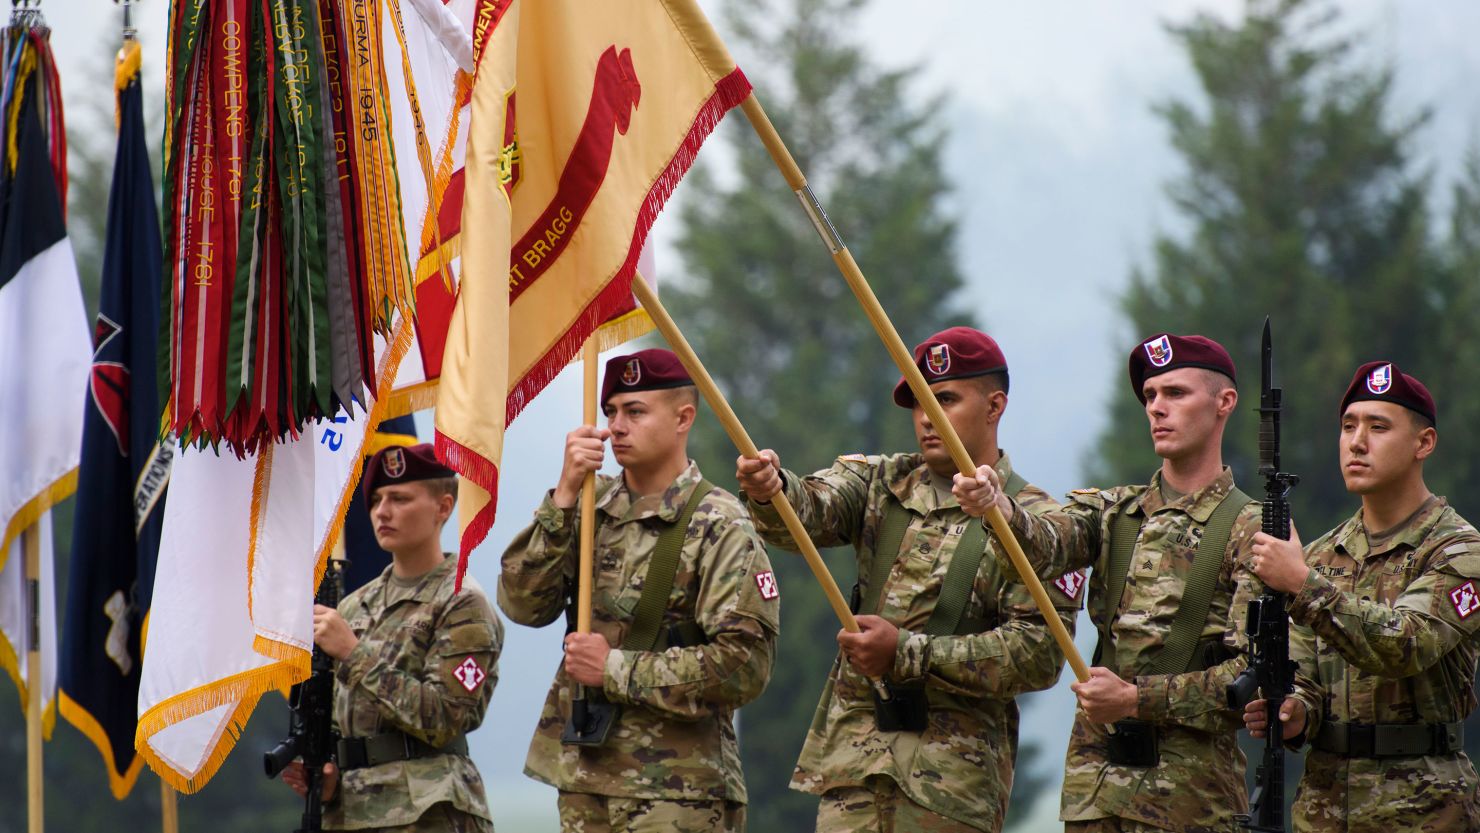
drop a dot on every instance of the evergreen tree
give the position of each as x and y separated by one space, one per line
1303 205
777 326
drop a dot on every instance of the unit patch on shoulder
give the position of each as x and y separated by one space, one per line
1464 599
853 458
1070 583
1090 491
765 581
470 674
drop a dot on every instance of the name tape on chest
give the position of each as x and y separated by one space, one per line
765 582
1465 600
1070 583
470 674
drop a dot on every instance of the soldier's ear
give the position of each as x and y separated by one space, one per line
1428 440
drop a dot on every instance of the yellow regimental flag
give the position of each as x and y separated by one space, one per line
584 117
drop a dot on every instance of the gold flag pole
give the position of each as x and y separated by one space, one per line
31 545
590 720
711 393
169 808
588 496
902 357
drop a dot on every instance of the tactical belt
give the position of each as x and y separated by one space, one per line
1390 740
357 753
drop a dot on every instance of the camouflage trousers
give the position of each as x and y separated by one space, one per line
880 808
1111 825
1436 794
441 817
586 813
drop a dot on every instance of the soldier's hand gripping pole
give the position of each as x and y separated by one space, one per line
591 720
738 435
901 355
1270 670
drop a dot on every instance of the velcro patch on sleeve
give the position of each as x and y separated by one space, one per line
765 582
853 458
1070 583
470 674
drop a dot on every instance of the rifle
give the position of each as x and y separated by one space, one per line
1270 670
311 732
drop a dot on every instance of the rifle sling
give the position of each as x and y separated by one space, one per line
647 619
1183 637
956 587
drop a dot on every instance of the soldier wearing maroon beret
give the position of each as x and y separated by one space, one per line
1386 613
417 661
940 757
1166 651
679 670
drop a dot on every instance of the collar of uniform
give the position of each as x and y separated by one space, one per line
428 583
1198 505
914 489
1355 542
618 504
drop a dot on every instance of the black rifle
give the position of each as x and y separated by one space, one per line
1270 670
311 732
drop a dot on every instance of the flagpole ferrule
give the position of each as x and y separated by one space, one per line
820 221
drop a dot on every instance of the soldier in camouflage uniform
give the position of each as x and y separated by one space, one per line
1172 763
1385 631
416 666
671 763
955 774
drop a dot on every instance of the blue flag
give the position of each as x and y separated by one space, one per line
124 470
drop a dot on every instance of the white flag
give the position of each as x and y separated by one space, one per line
15 618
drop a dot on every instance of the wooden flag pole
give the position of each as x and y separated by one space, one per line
31 545
902 357
588 496
711 393
169 808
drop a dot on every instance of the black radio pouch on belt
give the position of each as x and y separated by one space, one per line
1133 743
592 716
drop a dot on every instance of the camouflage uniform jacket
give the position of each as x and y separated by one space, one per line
1199 784
961 765
676 736
426 665
1386 632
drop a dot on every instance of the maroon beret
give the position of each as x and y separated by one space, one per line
1165 352
653 369
957 353
1384 382
402 464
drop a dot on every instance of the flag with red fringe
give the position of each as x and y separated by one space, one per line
584 119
